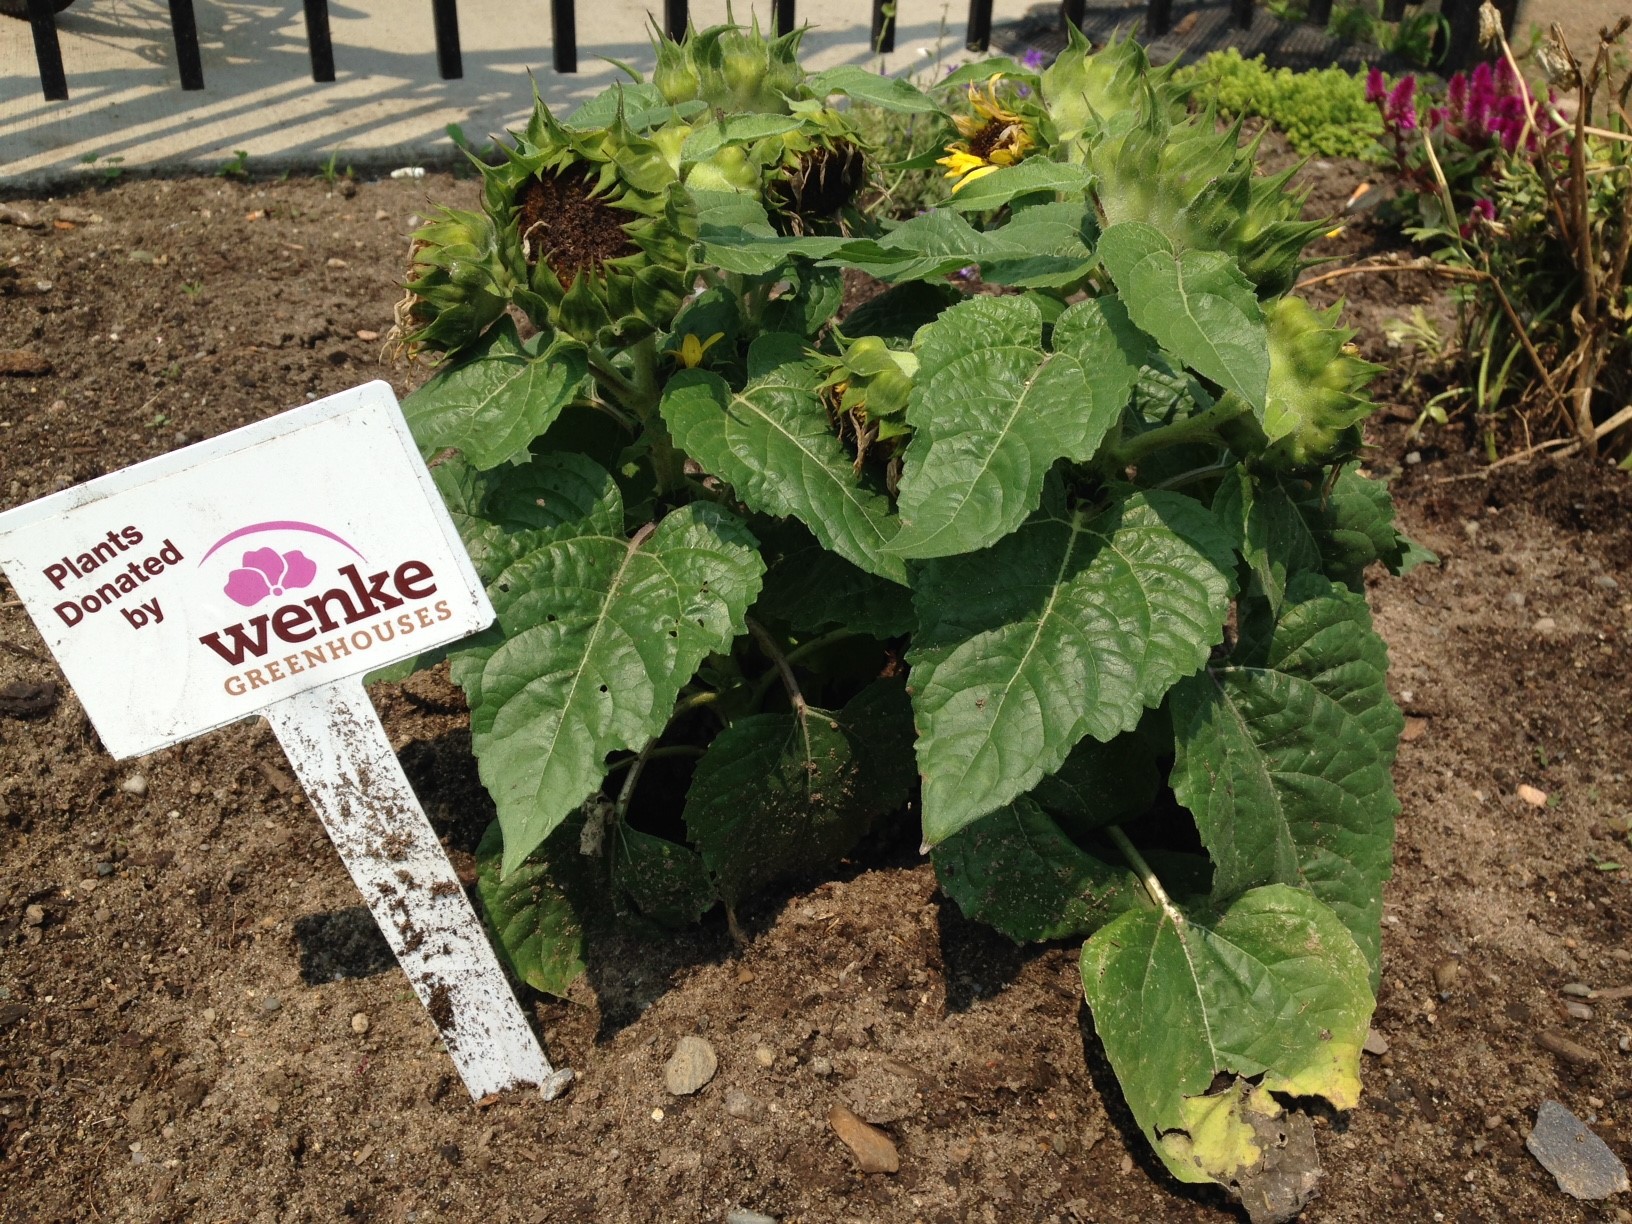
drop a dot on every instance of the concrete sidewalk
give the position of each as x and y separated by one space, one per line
387 106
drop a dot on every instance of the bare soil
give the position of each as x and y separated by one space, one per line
176 1045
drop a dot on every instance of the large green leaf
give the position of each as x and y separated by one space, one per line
1271 535
782 793
1353 525
602 632
1273 986
491 407
667 882
1016 870
1284 753
1099 334
993 191
533 910
1101 783
810 590
873 88
990 418
776 446
1197 304
1071 626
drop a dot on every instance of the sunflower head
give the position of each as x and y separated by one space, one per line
992 135
458 283
597 231
1316 384
730 67
1087 94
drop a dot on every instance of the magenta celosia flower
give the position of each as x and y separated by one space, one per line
1456 95
1376 90
267 572
1402 105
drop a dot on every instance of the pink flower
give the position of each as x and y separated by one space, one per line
1402 105
1456 95
266 572
1482 212
1376 90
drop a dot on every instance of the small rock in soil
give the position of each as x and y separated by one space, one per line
1576 990
1578 1011
24 700
23 364
748 1217
34 915
1606 582
10 1013
1446 975
873 1149
1546 625
1376 1043
1514 599
765 1056
10 214
821 1066
1533 796
78 216
740 1105
271 1005
1569 1051
359 1023
1579 1160
690 1066
136 785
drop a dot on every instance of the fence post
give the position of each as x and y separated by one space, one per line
564 35
185 30
1241 13
1320 12
47 51
1159 18
1074 11
979 37
449 62
318 41
883 26
1462 45
1393 10
782 16
675 19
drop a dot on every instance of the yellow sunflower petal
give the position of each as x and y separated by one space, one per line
977 172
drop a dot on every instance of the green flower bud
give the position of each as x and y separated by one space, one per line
1314 407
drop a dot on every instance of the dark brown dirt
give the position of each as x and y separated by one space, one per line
162 1058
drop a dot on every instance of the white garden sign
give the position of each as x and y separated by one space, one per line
265 572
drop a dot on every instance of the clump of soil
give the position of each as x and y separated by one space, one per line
163 1058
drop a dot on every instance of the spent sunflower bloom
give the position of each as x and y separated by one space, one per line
993 137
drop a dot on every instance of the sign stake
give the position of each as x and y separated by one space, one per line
267 571
339 750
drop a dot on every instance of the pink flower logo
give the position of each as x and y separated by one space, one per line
267 572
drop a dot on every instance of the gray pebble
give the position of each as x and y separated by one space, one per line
1514 599
739 1104
1376 1044
1606 582
1413 458
1576 990
739 1216
821 1066
690 1066
104 869
1578 1011
136 785
271 1005
1546 625
1579 1160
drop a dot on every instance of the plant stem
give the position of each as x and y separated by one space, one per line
621 808
1147 877
793 656
656 754
1201 426
784 669
610 377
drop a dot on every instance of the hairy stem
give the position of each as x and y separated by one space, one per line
783 667
1200 427
655 754
1147 877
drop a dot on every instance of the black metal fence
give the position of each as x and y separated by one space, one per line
1461 43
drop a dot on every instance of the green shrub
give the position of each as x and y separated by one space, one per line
1036 566
1322 113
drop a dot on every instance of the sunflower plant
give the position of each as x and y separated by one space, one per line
1067 572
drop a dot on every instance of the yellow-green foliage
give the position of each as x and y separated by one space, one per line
1323 113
